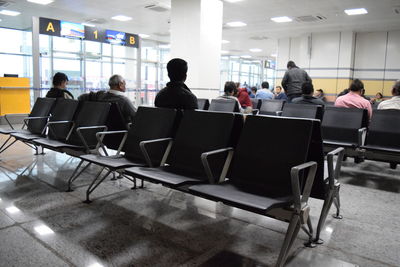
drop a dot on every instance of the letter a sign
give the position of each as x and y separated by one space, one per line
49 26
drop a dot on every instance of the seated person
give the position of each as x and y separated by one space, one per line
114 95
60 81
253 92
244 100
279 94
394 102
354 98
264 92
230 90
307 97
176 94
320 94
377 99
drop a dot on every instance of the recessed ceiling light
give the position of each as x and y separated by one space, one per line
12 209
281 19
143 35
356 11
224 52
9 12
225 42
255 50
233 1
88 24
246 56
43 230
274 55
121 18
41 2
236 24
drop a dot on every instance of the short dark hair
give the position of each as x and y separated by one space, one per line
59 78
291 64
320 90
230 87
265 85
307 88
177 69
254 89
356 86
396 87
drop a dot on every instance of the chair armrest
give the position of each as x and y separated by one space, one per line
34 118
13 114
255 111
334 171
80 129
49 123
206 165
361 136
100 137
143 145
279 113
295 178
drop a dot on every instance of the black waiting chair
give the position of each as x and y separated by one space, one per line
256 102
152 128
382 142
203 103
34 123
303 111
224 105
271 107
344 127
274 184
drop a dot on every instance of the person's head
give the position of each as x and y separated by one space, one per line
177 70
265 85
291 64
60 80
378 96
230 88
319 93
237 85
254 90
278 89
118 83
357 86
307 88
396 88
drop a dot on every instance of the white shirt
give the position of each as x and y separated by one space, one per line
116 92
393 103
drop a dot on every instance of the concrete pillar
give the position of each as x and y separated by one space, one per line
196 34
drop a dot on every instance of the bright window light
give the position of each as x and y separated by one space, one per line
356 11
95 265
12 210
246 56
233 1
235 57
236 24
143 35
41 2
9 12
225 42
165 46
281 19
88 24
274 55
121 18
224 52
43 230
255 50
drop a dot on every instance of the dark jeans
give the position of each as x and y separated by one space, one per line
291 97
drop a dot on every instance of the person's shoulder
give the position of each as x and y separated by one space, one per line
297 99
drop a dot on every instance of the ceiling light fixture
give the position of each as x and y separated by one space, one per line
255 50
225 42
88 24
41 2
356 11
121 18
9 12
236 24
281 19
143 35
233 1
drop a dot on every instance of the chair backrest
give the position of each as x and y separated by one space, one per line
256 103
203 103
199 132
150 123
263 167
89 114
63 110
384 129
41 108
115 122
302 111
270 107
342 124
224 104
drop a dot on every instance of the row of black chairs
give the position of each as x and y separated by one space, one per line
202 153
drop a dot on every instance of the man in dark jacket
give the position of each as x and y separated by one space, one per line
176 94
293 79
114 95
307 96
60 81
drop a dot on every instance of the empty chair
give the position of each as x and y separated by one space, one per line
256 103
224 104
302 111
383 138
203 103
271 107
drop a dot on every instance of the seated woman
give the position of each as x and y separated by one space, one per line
60 81
230 92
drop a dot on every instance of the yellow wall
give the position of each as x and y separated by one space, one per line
14 95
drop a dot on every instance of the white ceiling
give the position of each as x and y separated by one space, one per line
256 13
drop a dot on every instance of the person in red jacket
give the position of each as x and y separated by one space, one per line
244 100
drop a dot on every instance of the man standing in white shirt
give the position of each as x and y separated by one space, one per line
394 102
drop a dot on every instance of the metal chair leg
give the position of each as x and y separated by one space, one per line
336 201
75 175
93 186
4 149
324 213
5 142
291 233
309 232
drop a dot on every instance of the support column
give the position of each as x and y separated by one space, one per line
196 34
35 57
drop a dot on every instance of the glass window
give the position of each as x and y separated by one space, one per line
66 44
16 64
15 41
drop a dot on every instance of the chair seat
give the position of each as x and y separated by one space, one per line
9 131
342 144
54 144
382 149
232 195
111 162
162 175
25 135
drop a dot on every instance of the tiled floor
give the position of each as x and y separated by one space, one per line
42 225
